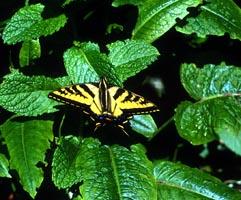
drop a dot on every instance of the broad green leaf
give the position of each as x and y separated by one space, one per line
107 172
118 173
26 95
227 123
180 182
212 81
218 111
27 142
64 170
217 17
156 17
4 166
144 124
85 63
194 122
29 51
27 24
131 56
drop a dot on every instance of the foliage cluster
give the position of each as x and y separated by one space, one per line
212 111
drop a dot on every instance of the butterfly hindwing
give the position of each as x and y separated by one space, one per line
130 103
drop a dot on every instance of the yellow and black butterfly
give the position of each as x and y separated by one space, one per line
105 104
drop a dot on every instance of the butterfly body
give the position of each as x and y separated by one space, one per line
105 104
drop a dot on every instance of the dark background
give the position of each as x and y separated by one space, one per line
87 21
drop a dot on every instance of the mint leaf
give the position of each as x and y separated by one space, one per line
131 56
27 24
26 95
85 63
157 17
29 51
217 17
4 166
106 172
180 182
27 142
194 122
211 81
64 170
227 123
144 124
218 111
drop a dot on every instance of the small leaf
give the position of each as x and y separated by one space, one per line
79 63
28 96
84 63
216 18
29 51
157 17
144 124
130 57
4 166
27 24
27 142
180 182
217 113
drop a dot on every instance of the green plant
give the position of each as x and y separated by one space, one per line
101 171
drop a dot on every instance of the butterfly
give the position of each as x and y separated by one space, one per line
103 103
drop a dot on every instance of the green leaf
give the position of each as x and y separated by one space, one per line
156 17
27 24
85 63
144 124
29 51
218 111
217 17
27 142
28 96
131 56
194 122
107 172
64 171
227 123
4 166
211 81
180 182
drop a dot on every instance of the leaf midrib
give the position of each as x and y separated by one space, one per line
115 172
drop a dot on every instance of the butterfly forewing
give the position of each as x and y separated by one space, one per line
131 103
79 95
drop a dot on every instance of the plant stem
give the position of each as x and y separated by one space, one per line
163 126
